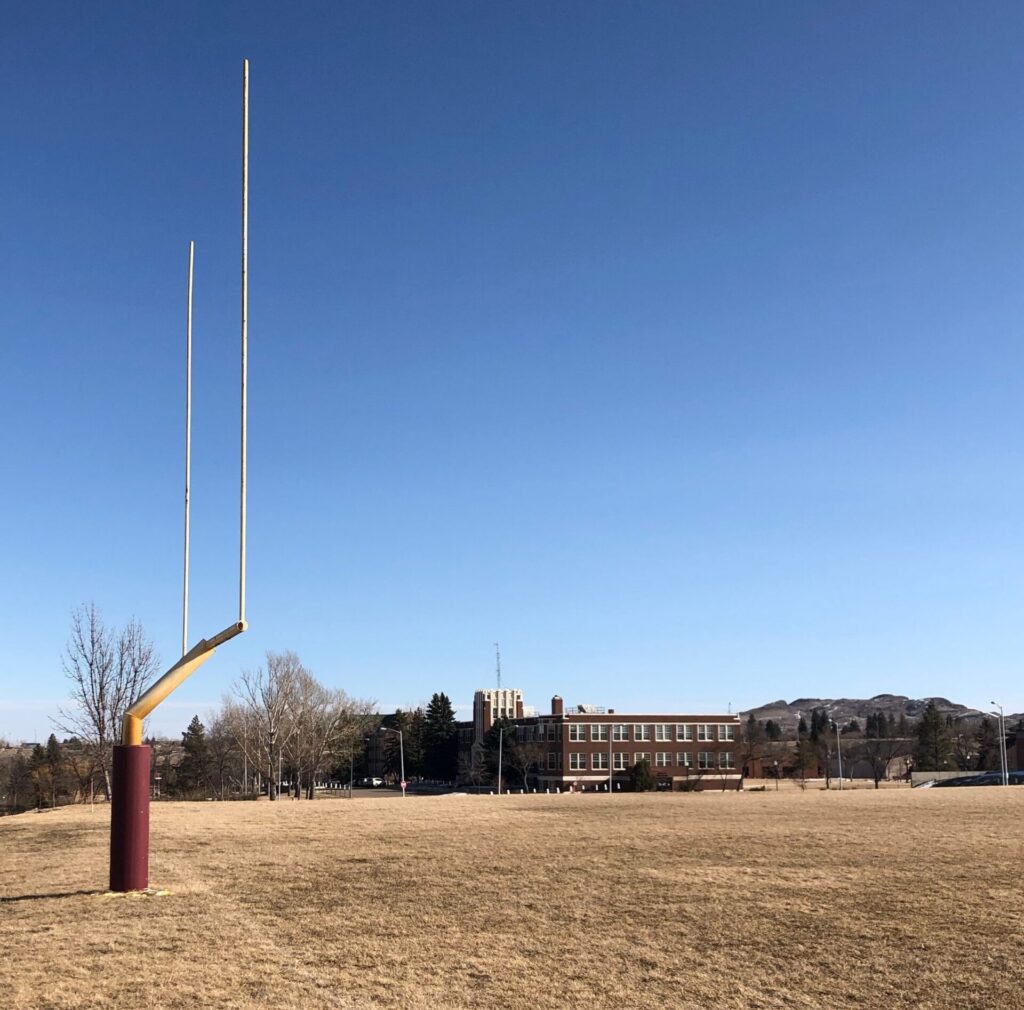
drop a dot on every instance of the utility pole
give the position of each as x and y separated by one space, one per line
501 738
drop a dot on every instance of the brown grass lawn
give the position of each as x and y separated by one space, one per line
856 899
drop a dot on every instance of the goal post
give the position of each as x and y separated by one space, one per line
129 808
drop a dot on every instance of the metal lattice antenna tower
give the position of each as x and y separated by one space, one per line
497 656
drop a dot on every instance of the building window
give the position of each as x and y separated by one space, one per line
599 761
620 733
705 759
726 732
685 759
641 756
641 732
551 760
620 761
577 762
661 733
684 733
663 759
577 733
599 734
726 759
705 732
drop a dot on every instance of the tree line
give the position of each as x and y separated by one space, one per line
278 724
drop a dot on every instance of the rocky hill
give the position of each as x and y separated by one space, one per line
842 710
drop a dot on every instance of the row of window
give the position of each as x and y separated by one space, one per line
663 732
662 759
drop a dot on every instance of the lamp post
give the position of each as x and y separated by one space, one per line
610 761
839 752
401 752
775 763
1002 743
501 738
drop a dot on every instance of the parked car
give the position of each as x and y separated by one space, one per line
371 782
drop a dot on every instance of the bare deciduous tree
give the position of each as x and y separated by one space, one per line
326 725
107 672
222 751
880 753
525 756
268 694
287 717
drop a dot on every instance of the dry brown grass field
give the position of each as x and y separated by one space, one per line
792 899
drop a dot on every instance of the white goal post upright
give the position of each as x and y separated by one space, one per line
245 338
188 444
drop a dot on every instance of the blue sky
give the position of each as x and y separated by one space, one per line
674 346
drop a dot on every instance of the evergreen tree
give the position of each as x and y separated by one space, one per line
773 730
853 726
641 778
411 724
877 727
934 743
440 739
752 739
193 772
414 745
54 767
987 742
801 727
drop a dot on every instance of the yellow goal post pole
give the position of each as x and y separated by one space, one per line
199 653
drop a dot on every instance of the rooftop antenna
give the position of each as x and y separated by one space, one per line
129 814
497 654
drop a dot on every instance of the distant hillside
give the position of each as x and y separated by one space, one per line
842 710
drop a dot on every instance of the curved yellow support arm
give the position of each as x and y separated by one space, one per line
131 733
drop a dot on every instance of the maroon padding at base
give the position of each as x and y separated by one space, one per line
129 819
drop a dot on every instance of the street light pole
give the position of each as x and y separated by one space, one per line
1003 763
401 758
610 761
401 752
501 737
839 751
